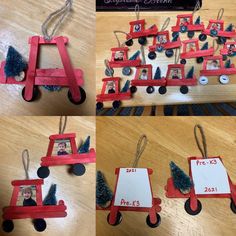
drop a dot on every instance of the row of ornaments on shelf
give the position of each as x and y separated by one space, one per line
213 65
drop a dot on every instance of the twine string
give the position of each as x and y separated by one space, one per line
142 142
165 24
220 13
118 41
203 147
26 161
143 55
62 125
177 52
63 11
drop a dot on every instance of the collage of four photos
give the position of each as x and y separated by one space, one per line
118 117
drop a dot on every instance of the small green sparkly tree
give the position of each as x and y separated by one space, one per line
15 63
84 148
181 180
103 193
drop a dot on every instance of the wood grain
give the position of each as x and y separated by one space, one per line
21 20
169 139
32 133
106 23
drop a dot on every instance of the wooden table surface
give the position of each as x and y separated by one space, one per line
108 22
169 139
23 19
78 193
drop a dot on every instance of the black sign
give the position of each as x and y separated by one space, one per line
146 5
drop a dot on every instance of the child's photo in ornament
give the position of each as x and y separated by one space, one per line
119 56
143 74
137 28
162 39
175 74
231 49
62 147
216 26
111 87
184 21
213 65
27 196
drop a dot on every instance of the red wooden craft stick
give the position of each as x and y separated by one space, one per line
30 77
74 88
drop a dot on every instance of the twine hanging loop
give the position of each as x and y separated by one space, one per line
63 11
26 161
203 147
220 14
62 124
142 142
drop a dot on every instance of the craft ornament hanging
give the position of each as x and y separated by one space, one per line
119 58
207 178
186 24
138 31
216 29
111 91
15 70
133 192
161 42
26 202
62 150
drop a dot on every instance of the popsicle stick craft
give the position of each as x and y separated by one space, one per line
119 58
111 91
215 66
144 78
62 150
207 178
138 31
191 49
161 42
133 192
15 70
175 76
216 29
26 202
186 24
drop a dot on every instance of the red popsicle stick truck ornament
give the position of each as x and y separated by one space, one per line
111 91
138 31
191 49
66 77
120 59
216 29
143 77
127 183
133 192
16 71
62 150
38 213
26 202
161 42
185 23
209 180
214 66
